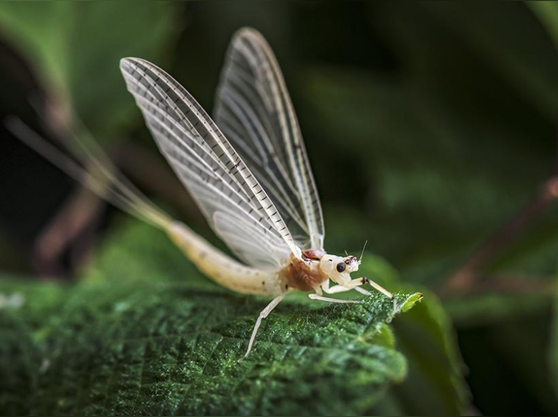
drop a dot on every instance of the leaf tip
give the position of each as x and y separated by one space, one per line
410 302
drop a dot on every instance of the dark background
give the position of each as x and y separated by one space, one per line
430 126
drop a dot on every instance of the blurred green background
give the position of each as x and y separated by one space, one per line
431 128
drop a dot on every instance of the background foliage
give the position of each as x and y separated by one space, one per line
429 126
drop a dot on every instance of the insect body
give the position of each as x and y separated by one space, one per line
220 267
248 172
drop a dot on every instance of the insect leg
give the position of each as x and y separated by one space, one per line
377 287
381 289
333 300
362 291
264 313
355 284
351 285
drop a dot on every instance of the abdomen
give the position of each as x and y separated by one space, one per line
221 268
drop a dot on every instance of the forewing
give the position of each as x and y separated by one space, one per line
208 166
254 111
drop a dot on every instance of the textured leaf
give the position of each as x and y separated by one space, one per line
171 345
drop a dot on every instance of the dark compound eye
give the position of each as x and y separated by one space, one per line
340 267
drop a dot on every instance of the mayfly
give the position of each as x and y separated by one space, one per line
247 169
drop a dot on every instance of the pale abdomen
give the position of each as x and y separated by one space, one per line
220 267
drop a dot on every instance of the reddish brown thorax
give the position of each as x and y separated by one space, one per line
313 254
304 274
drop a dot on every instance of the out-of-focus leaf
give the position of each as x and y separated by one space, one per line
171 345
508 358
492 308
435 384
443 171
507 44
547 13
39 31
76 47
431 207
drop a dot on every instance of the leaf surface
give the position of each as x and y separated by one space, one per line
166 344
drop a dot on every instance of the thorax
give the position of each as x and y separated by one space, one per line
303 274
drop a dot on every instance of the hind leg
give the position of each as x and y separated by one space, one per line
264 313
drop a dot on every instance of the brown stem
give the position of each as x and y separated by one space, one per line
67 230
467 275
505 284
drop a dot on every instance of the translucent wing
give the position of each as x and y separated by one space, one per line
254 111
230 197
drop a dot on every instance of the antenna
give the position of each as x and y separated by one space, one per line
362 252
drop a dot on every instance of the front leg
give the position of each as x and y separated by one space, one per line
377 287
333 300
355 284
374 285
325 287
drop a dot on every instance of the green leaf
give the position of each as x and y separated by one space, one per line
435 383
30 27
410 302
116 344
75 49
547 13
